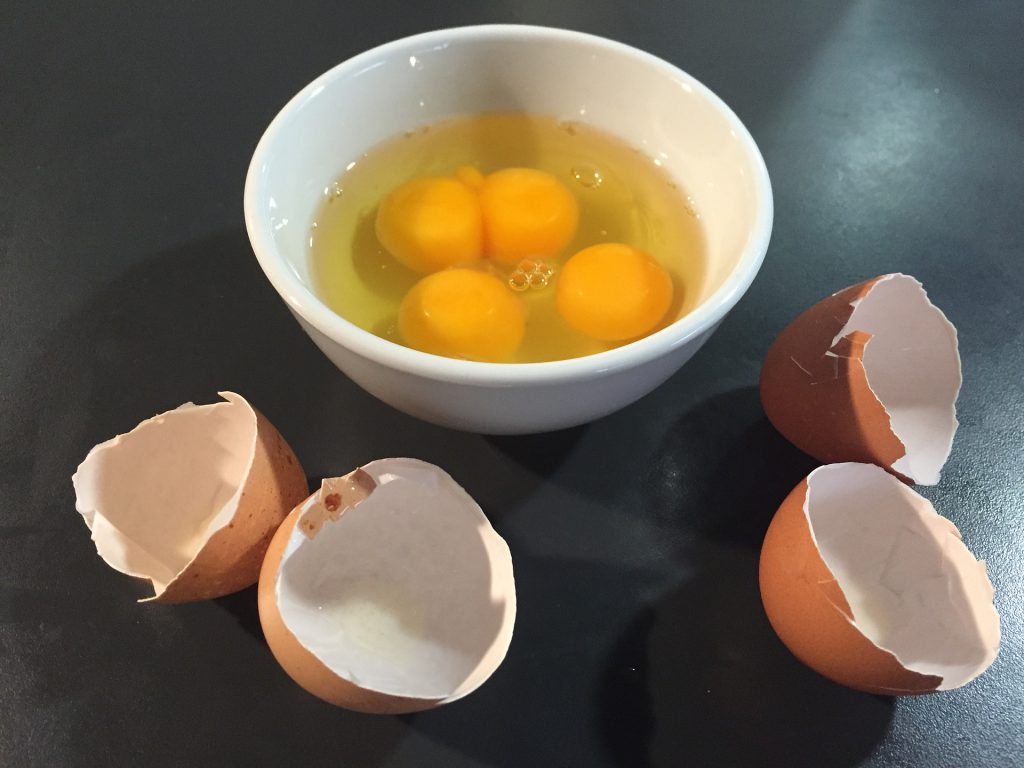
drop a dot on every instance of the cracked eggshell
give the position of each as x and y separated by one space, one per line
868 585
869 374
387 591
190 499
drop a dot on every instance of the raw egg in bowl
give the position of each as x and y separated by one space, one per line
508 229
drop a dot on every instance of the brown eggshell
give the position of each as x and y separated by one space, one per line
818 395
387 591
301 665
190 498
867 584
811 616
870 374
232 558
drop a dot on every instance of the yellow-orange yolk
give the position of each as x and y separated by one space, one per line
613 292
527 214
462 313
431 223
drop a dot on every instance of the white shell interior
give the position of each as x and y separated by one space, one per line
154 496
914 588
913 367
409 593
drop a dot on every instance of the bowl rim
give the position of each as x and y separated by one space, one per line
309 307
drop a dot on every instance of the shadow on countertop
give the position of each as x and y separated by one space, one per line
700 672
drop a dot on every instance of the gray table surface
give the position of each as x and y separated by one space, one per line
894 135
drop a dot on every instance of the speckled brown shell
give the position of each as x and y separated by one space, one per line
810 614
232 557
818 395
300 664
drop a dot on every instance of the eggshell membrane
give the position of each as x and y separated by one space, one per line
190 498
870 374
939 596
354 613
300 664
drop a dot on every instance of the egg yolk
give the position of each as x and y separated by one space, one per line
527 214
613 292
431 223
462 313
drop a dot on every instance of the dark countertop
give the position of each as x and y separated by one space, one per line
894 135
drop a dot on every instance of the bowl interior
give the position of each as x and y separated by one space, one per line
650 104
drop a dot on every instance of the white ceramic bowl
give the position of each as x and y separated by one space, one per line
419 80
